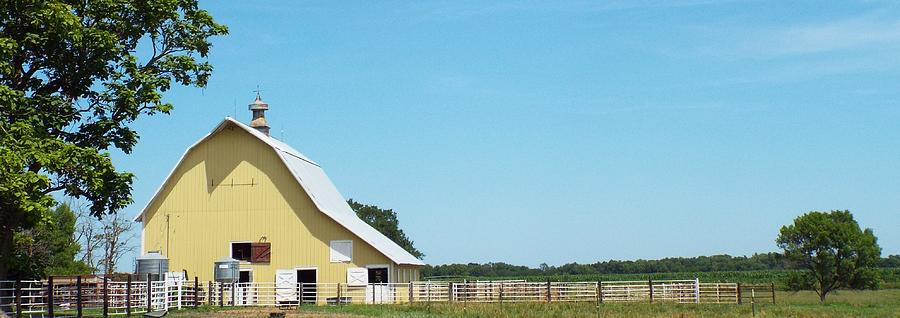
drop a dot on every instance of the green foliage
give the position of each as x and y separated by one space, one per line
71 83
891 261
673 264
833 250
385 221
48 248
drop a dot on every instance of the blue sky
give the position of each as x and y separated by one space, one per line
529 132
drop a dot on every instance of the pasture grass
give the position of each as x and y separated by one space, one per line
844 303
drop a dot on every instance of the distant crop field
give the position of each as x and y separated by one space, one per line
880 303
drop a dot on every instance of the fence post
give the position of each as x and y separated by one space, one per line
149 294
196 292
209 294
128 296
450 292
465 293
650 284
697 289
549 297
233 295
105 296
50 296
753 301
339 301
78 296
221 295
773 292
501 294
601 290
410 292
739 296
718 293
178 294
18 298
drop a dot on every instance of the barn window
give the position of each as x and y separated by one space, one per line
241 251
341 251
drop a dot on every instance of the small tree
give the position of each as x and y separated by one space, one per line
833 251
115 239
88 234
385 221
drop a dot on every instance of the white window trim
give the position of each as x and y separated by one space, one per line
331 251
231 250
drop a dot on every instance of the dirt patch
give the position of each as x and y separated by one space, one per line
258 313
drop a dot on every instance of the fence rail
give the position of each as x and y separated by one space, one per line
78 297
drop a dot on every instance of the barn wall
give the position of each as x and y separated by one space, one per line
233 187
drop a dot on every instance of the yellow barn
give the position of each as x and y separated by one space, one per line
241 193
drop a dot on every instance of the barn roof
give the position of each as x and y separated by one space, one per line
318 186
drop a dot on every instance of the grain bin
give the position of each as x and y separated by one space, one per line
152 263
226 270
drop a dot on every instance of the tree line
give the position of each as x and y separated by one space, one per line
714 263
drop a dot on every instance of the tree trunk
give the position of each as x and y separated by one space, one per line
10 220
6 249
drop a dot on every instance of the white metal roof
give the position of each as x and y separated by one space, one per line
323 193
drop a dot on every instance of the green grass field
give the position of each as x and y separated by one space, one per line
881 303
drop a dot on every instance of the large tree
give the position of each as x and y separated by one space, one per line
833 251
385 221
73 76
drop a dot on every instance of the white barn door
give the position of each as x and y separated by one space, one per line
378 290
286 286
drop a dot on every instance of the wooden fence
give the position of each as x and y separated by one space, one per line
757 293
82 297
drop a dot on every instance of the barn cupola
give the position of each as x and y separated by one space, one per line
259 108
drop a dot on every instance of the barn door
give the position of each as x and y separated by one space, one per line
244 293
286 286
378 291
307 280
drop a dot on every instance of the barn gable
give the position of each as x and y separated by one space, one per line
316 184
